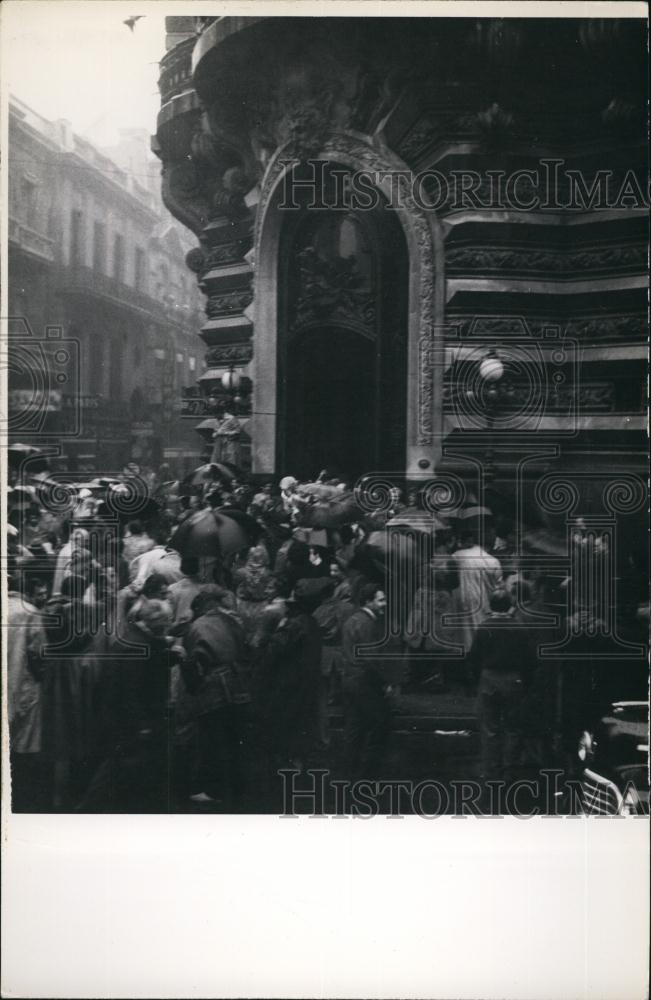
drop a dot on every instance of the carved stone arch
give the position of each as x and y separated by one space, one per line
424 240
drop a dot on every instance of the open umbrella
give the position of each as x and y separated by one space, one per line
217 532
343 509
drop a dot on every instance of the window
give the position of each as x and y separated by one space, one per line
118 257
99 246
29 201
76 220
140 269
192 364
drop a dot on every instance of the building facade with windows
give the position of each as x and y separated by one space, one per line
94 254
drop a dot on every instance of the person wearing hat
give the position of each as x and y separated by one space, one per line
366 708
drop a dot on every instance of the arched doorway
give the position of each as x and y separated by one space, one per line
342 351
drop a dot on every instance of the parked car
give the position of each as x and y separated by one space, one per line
614 756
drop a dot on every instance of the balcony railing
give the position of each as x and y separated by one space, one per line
77 279
31 241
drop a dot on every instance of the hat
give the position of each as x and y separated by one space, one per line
287 482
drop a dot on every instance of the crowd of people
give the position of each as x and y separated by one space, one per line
143 678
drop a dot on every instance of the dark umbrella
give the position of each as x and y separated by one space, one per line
426 523
394 551
21 454
128 504
211 472
21 495
473 519
212 532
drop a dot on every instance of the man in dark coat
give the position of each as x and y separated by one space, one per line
215 676
366 709
290 686
134 725
503 657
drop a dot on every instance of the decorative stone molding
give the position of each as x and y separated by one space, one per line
625 327
487 258
335 294
228 302
239 354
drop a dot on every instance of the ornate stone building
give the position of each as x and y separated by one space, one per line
423 240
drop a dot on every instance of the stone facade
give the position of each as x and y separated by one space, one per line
511 154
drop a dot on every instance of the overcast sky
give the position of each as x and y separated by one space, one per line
77 60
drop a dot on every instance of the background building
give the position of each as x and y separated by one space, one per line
94 253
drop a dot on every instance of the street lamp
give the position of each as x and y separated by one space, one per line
491 368
491 374
226 391
231 380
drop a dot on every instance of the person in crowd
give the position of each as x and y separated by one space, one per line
68 691
31 526
75 539
29 777
37 592
275 597
501 658
366 708
291 676
288 496
159 559
136 541
250 582
301 564
216 682
182 593
432 642
479 575
134 726
330 616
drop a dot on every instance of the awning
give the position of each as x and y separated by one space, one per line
210 424
212 375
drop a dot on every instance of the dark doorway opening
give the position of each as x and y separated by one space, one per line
331 406
342 346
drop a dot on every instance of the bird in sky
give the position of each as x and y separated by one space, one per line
131 21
